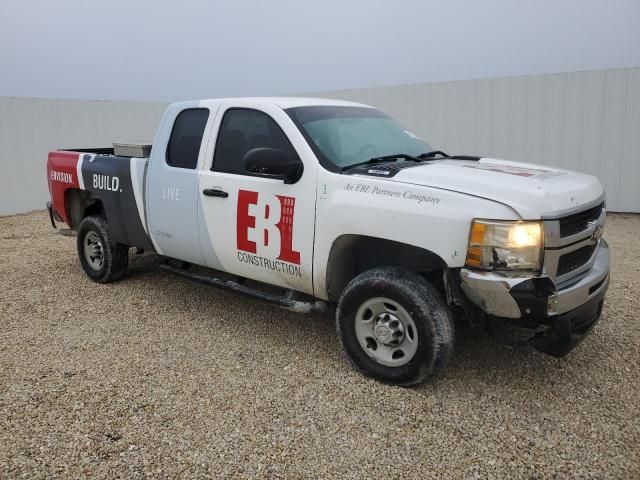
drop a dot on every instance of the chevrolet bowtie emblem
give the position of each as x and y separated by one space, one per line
597 232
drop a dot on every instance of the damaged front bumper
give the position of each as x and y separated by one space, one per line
559 317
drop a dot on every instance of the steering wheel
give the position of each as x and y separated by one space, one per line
364 153
368 150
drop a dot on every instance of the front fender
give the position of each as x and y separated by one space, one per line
428 218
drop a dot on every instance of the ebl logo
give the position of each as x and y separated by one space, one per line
265 225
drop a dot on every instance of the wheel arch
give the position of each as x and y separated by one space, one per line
352 254
79 204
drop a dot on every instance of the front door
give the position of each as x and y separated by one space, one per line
252 226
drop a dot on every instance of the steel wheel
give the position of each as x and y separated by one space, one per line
93 250
386 332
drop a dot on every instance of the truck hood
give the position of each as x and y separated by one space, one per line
531 190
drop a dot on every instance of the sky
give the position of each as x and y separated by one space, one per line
159 50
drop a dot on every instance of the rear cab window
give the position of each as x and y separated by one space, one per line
186 138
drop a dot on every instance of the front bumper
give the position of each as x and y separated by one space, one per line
561 317
565 331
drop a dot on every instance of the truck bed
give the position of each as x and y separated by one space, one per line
99 180
97 151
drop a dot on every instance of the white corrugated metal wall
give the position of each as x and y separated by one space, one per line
30 127
585 121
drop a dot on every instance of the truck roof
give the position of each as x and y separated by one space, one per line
286 102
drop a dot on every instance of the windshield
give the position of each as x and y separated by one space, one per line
350 135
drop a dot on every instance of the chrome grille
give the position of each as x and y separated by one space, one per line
578 222
576 259
571 241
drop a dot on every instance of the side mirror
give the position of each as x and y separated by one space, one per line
273 162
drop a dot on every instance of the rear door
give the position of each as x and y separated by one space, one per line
259 228
172 180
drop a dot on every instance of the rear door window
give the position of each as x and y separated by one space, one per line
186 138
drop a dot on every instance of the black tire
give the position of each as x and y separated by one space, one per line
115 256
424 304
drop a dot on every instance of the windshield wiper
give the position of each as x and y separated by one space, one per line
386 158
432 154
428 155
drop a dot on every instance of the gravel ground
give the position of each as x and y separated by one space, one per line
156 376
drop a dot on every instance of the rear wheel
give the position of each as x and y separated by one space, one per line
103 259
394 326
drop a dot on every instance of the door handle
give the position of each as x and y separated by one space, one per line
214 192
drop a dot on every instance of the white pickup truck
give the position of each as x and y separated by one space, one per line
334 203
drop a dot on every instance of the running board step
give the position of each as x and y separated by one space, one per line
286 301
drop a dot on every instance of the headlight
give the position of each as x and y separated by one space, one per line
500 245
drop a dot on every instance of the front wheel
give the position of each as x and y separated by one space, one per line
394 326
103 259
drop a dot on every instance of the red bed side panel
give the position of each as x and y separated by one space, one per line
62 174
